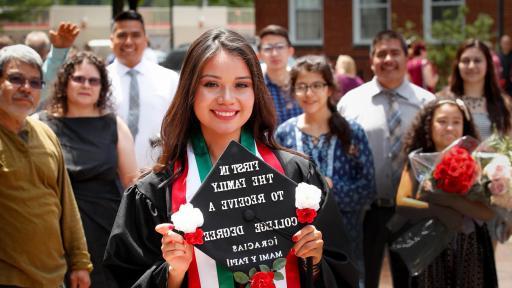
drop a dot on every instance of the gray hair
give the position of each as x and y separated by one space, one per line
39 41
21 53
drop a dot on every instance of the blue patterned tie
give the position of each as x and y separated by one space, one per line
133 110
394 120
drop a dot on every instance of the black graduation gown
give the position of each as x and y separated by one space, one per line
133 256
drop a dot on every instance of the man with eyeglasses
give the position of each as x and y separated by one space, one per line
142 89
274 50
384 107
41 233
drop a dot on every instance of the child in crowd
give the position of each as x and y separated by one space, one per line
338 147
468 261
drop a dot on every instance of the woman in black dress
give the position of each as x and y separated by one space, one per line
98 149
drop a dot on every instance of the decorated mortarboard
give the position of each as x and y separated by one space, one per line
251 212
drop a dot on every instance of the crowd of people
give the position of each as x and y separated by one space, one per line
94 157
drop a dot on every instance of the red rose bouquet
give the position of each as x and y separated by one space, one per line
456 172
452 171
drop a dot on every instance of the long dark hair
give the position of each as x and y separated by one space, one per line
58 103
338 125
419 134
180 121
497 107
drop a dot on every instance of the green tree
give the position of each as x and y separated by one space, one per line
22 10
449 33
231 3
408 31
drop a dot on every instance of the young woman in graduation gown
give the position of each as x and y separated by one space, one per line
221 97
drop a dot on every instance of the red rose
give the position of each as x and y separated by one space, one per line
456 172
306 215
194 238
263 280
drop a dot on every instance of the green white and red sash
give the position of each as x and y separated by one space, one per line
203 271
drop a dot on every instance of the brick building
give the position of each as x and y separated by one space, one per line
334 27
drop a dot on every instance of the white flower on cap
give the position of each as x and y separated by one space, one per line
307 196
187 219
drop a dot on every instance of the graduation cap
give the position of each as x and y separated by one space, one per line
249 211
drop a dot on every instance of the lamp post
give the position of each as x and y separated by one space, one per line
171 24
132 5
118 5
500 18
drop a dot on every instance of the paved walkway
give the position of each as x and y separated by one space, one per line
503 266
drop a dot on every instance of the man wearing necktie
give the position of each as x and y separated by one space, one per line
133 108
142 90
384 107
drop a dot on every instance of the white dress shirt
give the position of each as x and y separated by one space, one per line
367 106
157 86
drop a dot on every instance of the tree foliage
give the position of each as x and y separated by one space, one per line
449 33
22 10
408 31
230 3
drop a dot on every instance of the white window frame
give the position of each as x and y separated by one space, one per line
427 15
356 20
293 22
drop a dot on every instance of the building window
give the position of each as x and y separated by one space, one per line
434 11
369 18
306 22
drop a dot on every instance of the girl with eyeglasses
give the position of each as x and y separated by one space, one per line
338 147
98 149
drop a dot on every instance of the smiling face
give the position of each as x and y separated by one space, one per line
389 63
128 42
312 92
472 66
85 95
18 101
224 98
447 125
